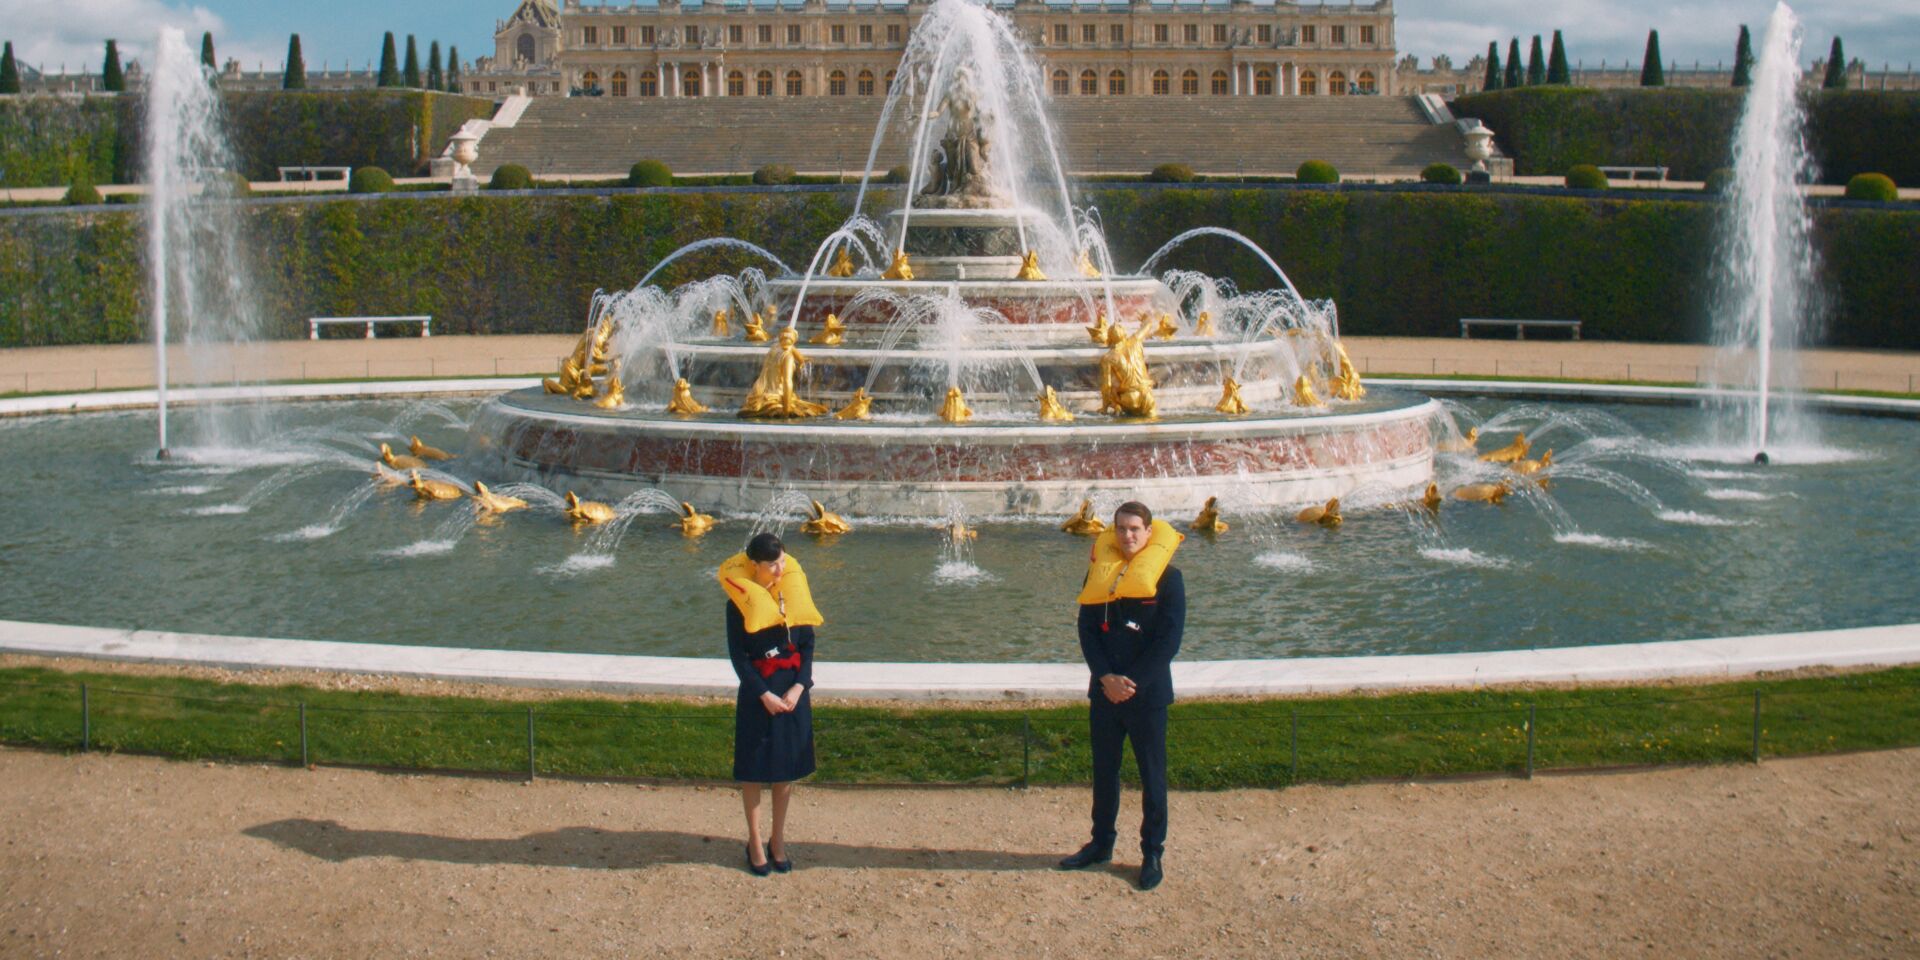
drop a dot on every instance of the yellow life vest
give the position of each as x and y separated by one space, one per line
1111 576
760 607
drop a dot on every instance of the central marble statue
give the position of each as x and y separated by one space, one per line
960 176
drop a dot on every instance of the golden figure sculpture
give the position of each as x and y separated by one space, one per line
825 522
692 523
756 331
587 511
613 393
486 501
721 328
900 269
1126 385
1431 498
1051 410
683 402
1030 267
425 451
1528 468
1482 492
1098 332
1346 383
1203 325
842 265
1087 269
433 489
1231 403
400 461
957 532
955 409
1464 444
1517 450
772 394
833 334
859 407
1303 393
588 360
1326 515
1167 329
1209 519
1084 523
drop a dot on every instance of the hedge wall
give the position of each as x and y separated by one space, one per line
1397 263
45 140
1548 129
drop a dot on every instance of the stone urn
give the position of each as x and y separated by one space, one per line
1479 145
466 149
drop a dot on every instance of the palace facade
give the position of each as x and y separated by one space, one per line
820 49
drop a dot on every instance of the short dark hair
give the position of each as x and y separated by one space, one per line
1136 508
765 548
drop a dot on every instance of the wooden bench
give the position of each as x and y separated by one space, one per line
1519 326
1633 173
288 174
314 324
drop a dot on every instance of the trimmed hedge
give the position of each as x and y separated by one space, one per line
1396 262
1872 186
510 176
773 175
1585 176
48 141
1171 173
1317 171
650 173
1443 173
369 180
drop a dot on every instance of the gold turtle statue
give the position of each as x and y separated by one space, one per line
426 451
426 489
1463 444
1511 453
1482 492
1126 385
400 461
1030 267
859 406
825 522
1326 515
957 532
692 523
955 409
587 511
1084 523
842 266
1231 403
1528 468
1209 519
832 334
613 393
773 395
1051 409
683 402
486 501
900 269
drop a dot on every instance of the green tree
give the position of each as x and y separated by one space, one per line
111 78
1557 72
1836 68
296 77
1514 77
1493 66
453 69
206 51
9 71
1652 74
1536 64
410 75
435 79
389 63
1743 59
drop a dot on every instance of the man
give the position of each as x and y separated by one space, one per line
1133 608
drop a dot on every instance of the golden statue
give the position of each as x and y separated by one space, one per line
1231 403
1167 329
1051 411
859 407
833 334
772 394
692 523
757 328
588 360
900 268
613 393
1327 515
1517 450
955 409
1465 444
1209 519
1098 332
587 511
1528 468
1030 267
1203 325
489 502
1087 269
1346 384
400 461
683 402
1303 394
842 265
433 489
1126 385
1084 523
957 532
1482 492
721 328
825 522
1431 498
426 452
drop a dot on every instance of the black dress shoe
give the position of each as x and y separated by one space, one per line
1149 871
780 866
759 870
1089 855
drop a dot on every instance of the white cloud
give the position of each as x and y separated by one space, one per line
75 32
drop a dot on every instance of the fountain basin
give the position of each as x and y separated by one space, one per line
1062 305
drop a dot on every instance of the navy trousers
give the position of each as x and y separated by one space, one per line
1110 725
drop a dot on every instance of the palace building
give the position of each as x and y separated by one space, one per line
818 48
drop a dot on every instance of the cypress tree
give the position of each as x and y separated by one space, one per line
435 79
1513 78
1652 74
1557 71
296 78
110 76
389 63
1493 66
1536 64
1743 59
206 51
411 75
9 71
453 69
1836 68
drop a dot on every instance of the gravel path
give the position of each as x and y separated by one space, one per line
141 857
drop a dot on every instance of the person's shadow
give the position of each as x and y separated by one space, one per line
594 849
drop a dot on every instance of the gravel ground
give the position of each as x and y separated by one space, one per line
135 856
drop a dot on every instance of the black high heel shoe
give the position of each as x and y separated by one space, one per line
779 866
758 870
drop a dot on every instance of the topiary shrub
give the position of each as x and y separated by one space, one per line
650 173
511 176
1317 171
773 174
1586 176
896 175
1440 173
1872 186
1719 181
82 193
238 184
1171 173
369 180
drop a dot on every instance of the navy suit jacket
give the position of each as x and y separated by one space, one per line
1136 639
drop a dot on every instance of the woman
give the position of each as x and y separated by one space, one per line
770 621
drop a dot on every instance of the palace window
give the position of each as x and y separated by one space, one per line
1263 83
690 83
794 83
1219 33
1062 83
1060 34
893 33
525 47
736 34
866 33
839 33
837 84
1089 33
1191 33
1366 81
590 81
649 84
864 83
1117 34
1366 34
1116 83
1220 86
736 84
793 34
1190 84
1161 86
1264 32
1307 33
889 79
1308 84
589 35
1337 84
646 36
1089 83
619 83
763 83
619 36
764 34
1159 33
1337 34
493 86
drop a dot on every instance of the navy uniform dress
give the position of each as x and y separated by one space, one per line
1137 639
769 748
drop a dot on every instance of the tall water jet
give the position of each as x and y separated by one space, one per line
1765 306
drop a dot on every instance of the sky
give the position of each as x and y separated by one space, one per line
255 31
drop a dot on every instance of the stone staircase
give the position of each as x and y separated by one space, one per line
1218 135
